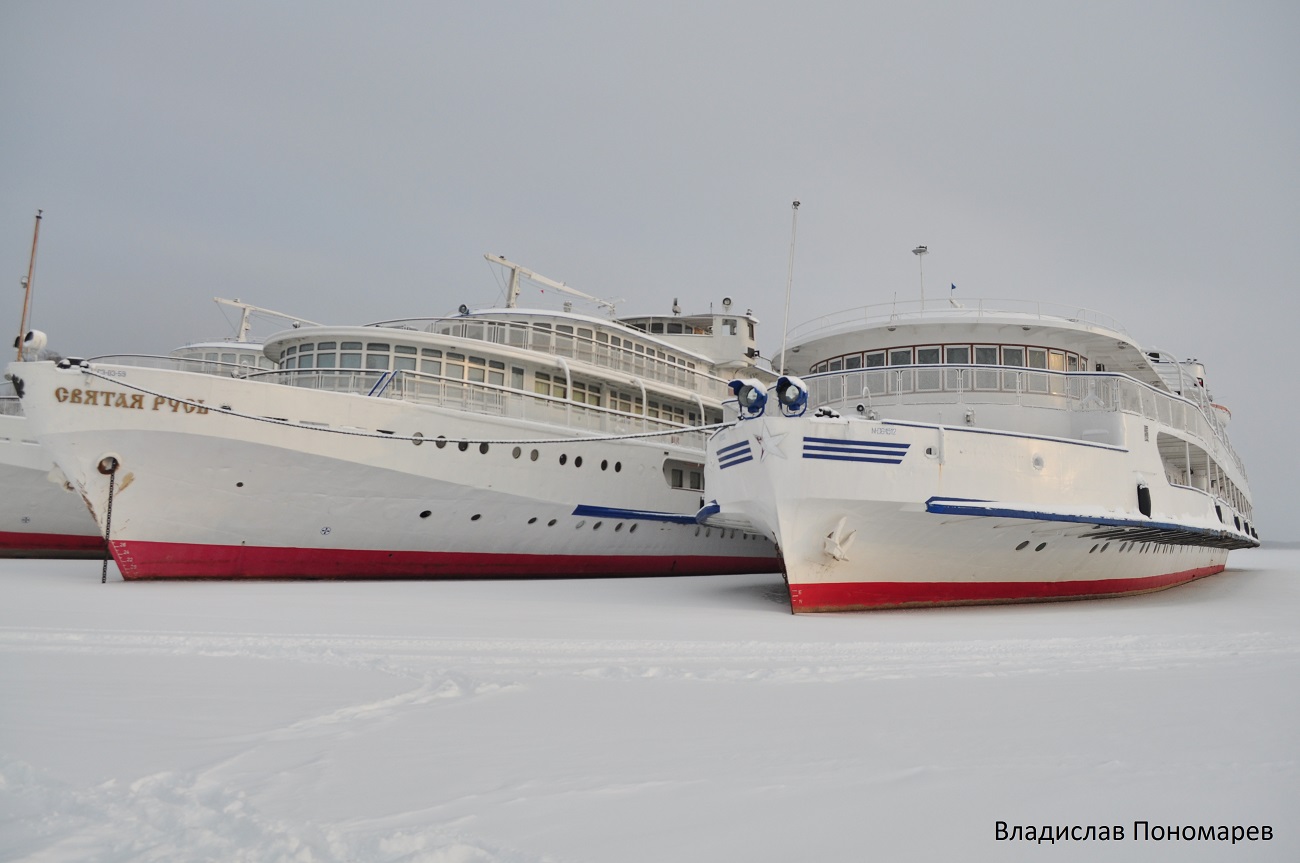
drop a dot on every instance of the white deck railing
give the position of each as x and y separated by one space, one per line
572 345
486 399
1066 391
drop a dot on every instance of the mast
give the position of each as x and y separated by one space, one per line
512 293
27 287
246 309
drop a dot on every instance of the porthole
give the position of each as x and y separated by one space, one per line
476 516
426 513
577 461
533 520
239 485
632 529
1037 462
1104 547
440 442
597 525
1091 550
929 451
516 452
563 458
463 445
604 464
551 523
580 523
618 466
697 530
618 527
417 438
532 456
1040 546
483 448
1123 546
1022 545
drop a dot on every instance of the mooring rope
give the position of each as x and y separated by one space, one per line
417 438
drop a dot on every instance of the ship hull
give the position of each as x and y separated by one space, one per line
269 489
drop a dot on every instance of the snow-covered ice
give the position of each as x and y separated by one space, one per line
688 719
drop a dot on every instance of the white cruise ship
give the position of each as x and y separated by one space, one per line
994 452
495 443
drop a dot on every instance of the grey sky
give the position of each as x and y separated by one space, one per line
352 162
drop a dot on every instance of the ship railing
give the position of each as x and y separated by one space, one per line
486 399
967 309
563 338
11 406
179 364
974 385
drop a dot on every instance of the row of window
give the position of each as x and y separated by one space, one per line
379 356
243 358
562 337
1023 356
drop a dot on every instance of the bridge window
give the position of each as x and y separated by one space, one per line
405 357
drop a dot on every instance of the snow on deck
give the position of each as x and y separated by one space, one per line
689 719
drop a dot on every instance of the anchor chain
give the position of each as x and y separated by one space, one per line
108 465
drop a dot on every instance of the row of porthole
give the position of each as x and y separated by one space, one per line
1099 547
708 531
517 452
1132 546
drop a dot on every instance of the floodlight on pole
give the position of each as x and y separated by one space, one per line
921 252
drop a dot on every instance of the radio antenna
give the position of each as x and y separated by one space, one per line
789 281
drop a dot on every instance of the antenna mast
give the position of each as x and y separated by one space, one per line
789 281
921 252
27 287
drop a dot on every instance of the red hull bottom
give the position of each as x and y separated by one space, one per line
157 560
50 545
862 596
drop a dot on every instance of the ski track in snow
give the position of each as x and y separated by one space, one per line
206 814
183 816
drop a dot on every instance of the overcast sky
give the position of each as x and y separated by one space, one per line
351 162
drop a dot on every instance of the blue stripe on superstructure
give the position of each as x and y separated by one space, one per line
735 446
871 452
735 461
841 442
893 460
867 450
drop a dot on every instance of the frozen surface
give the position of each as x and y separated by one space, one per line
689 719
